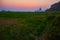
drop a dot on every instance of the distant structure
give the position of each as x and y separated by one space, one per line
39 10
54 7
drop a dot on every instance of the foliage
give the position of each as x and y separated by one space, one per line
54 7
31 25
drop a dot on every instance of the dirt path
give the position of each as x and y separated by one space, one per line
9 22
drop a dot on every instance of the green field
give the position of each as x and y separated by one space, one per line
29 25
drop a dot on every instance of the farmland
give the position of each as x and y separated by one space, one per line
29 25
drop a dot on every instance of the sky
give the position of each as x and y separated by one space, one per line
25 5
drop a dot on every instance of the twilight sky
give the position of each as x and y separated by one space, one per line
25 5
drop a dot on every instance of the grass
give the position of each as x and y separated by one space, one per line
29 25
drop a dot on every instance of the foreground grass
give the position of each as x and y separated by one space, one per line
29 25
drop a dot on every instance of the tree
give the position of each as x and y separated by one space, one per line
54 7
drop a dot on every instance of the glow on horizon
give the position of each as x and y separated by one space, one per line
27 4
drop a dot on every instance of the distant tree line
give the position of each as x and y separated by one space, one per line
54 7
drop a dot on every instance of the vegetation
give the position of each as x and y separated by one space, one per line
54 7
29 25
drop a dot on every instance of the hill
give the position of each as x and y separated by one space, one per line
54 7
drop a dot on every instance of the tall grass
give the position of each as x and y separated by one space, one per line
31 26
